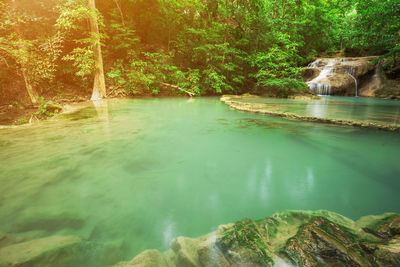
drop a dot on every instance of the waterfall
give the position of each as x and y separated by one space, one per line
333 71
319 85
355 82
314 64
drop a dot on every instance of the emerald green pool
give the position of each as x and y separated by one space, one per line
131 175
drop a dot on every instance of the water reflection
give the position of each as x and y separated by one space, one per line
316 109
145 172
101 107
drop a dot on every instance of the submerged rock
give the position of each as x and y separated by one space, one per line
234 101
298 238
37 250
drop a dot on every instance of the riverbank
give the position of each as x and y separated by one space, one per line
292 238
19 112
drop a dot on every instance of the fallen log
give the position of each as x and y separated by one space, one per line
177 87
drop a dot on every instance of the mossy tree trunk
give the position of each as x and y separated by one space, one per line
99 85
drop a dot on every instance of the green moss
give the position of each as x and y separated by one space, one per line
244 235
390 93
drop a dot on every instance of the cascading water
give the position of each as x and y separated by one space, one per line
355 82
320 84
329 67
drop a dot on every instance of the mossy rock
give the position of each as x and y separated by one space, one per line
388 93
244 244
322 242
301 238
39 252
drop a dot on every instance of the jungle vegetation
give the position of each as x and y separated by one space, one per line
204 47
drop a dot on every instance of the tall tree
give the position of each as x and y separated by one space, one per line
99 85
23 56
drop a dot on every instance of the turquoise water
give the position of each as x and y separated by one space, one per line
337 107
130 175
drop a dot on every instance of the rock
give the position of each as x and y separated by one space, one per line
302 238
49 222
322 242
198 252
208 252
243 244
185 250
305 97
28 253
311 73
371 84
388 255
339 76
261 108
148 258
388 229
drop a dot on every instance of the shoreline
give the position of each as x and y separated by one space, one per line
258 108
263 109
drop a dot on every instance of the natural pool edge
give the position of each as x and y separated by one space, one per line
263 109
298 238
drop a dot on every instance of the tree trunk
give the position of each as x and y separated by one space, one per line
99 84
29 88
120 12
21 60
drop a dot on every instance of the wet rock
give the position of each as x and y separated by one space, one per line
322 242
388 255
185 250
148 258
210 255
243 244
31 252
390 228
339 76
317 238
198 252
310 74
260 108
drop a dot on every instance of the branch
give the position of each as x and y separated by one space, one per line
177 87
5 61
120 12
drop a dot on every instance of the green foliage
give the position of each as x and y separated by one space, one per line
34 53
377 26
47 108
205 47
20 121
147 70
83 61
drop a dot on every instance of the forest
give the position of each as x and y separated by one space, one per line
61 50
199 133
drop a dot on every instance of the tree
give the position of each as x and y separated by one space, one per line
23 55
99 84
